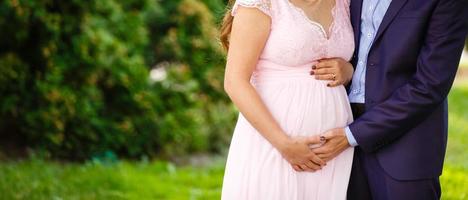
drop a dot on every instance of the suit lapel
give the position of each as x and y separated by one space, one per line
391 13
356 8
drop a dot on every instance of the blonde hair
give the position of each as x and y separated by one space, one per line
226 26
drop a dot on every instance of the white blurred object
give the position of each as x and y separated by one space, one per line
464 57
158 74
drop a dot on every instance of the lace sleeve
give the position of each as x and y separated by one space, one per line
262 5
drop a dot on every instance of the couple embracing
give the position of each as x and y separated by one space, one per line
340 99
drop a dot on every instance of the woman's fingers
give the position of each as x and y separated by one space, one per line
335 79
297 168
335 83
328 77
325 63
323 71
331 74
312 166
317 160
336 70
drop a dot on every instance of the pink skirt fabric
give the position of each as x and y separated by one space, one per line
302 106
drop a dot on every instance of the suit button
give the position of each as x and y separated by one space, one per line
372 64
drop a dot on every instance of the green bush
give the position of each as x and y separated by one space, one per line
74 77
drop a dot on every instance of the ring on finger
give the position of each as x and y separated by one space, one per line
323 138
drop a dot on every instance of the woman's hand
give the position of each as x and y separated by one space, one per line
337 70
298 153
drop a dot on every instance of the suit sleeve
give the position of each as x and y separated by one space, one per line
436 66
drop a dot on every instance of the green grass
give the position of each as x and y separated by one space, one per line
458 129
36 179
455 175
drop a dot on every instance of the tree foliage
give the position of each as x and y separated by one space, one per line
74 77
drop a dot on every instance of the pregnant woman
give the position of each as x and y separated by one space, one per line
282 73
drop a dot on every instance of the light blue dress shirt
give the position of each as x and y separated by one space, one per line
373 11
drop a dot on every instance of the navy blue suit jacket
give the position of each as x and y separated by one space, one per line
411 67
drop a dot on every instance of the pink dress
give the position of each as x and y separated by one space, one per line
302 106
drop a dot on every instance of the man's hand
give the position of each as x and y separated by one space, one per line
336 70
336 142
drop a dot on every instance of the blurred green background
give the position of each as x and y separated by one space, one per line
124 100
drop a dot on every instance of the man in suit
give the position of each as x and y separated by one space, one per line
405 62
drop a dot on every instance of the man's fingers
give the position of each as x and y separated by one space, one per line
324 156
327 157
322 150
329 134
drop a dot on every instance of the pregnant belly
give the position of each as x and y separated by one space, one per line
302 105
